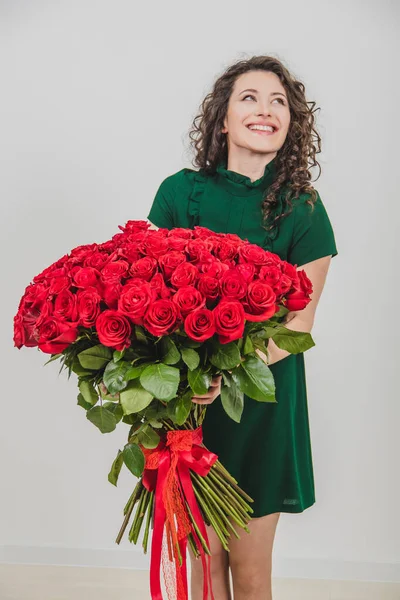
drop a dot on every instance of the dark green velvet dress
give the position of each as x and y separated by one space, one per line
269 451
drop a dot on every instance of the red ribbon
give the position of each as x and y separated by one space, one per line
167 471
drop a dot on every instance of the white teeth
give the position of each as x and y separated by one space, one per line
261 127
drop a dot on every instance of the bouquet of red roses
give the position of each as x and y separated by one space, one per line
146 320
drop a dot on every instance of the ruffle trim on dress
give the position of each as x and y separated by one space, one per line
198 188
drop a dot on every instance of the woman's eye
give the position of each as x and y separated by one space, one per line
251 96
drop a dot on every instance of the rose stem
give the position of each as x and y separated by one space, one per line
224 517
203 541
219 488
146 531
212 520
229 491
128 508
232 512
193 545
136 517
142 514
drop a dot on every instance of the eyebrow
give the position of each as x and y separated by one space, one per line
256 91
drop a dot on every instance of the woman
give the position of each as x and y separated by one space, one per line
254 145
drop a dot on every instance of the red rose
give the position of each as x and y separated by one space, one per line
232 285
195 247
247 270
161 317
88 306
85 277
97 260
208 286
229 320
114 271
134 226
111 292
169 262
187 299
225 249
253 254
180 232
184 274
177 243
300 296
200 325
130 252
157 284
279 281
134 300
113 329
57 284
65 306
56 335
261 302
215 268
144 268
155 244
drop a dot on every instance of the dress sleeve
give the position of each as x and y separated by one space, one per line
161 211
313 236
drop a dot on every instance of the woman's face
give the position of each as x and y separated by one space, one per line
258 97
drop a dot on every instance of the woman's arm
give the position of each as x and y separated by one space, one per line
302 320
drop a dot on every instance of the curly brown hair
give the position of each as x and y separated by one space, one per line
293 160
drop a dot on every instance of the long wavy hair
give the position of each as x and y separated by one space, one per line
293 160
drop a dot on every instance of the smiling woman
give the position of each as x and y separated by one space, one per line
255 183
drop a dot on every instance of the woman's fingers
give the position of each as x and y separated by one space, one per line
213 392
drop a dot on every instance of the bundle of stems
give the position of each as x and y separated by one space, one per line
221 501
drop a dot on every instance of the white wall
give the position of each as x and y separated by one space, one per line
96 101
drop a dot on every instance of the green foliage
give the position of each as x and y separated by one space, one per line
134 397
134 459
170 354
199 381
148 437
114 376
190 357
255 379
116 468
95 357
161 381
179 408
225 356
102 418
88 392
232 399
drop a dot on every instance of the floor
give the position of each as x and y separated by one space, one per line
39 582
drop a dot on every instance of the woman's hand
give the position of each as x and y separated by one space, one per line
213 392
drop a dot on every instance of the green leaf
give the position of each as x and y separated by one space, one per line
225 356
148 437
179 408
140 334
135 372
292 341
95 358
88 392
161 381
114 376
156 411
255 379
134 398
82 402
199 381
232 399
117 355
189 343
248 345
102 418
116 468
77 368
170 353
190 357
115 409
134 459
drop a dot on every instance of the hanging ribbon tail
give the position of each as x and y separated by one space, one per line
159 521
186 482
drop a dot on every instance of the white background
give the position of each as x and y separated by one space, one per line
96 101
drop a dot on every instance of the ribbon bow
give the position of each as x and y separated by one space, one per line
167 471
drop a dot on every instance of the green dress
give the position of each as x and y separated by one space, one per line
269 451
